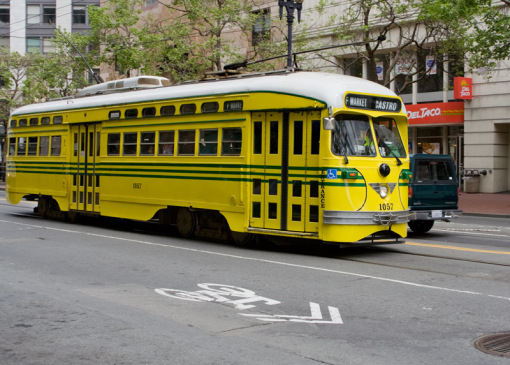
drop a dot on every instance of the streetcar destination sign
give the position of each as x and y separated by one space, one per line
378 103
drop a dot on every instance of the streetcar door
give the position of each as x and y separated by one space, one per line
304 174
85 187
266 170
284 172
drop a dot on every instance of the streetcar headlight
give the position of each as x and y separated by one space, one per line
383 190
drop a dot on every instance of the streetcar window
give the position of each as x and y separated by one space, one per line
314 213
273 138
32 146
257 138
45 120
388 137
233 105
315 137
13 123
129 144
166 143
231 141
210 107
22 122
352 136
167 110
296 213
148 112
44 145
114 114
131 113
298 137
12 146
113 144
257 186
297 188
34 121
208 142
188 108
58 119
56 145
147 143
314 189
22 146
186 144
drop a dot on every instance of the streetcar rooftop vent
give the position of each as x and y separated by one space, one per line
133 83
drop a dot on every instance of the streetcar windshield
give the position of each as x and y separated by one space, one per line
352 136
388 137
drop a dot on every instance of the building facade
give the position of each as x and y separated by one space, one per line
28 25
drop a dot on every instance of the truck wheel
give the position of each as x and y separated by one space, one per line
421 226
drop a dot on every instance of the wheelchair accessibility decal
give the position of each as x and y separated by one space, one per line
242 299
332 174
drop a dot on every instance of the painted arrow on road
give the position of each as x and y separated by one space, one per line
315 317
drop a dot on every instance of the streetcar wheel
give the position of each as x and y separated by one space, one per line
186 222
243 239
421 226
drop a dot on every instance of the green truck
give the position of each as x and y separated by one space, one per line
433 191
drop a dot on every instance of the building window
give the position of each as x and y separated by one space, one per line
261 30
33 14
150 2
5 14
79 15
49 46
33 45
4 43
49 15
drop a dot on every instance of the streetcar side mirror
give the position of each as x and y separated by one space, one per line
328 123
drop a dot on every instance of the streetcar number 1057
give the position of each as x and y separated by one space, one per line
386 206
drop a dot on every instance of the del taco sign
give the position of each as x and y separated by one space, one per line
436 113
463 88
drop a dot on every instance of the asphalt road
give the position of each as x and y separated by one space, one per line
112 292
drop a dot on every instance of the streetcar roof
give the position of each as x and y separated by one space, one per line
327 88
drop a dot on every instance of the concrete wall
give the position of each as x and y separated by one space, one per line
487 129
18 30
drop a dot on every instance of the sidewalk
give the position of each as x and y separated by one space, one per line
497 204
485 204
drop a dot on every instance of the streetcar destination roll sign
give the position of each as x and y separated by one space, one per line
369 102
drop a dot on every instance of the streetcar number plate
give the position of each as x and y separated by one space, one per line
437 213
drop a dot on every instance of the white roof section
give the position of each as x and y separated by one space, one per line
325 87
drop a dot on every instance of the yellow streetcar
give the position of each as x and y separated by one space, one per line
286 154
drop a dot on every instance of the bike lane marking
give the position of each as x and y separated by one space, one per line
274 262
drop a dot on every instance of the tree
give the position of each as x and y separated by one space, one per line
217 30
122 35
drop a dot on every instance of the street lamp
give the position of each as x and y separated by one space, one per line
290 5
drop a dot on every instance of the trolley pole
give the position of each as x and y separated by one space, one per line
290 6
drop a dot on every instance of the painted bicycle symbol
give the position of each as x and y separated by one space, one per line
243 299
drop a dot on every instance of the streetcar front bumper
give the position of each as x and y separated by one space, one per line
366 218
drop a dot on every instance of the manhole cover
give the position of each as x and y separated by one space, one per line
497 344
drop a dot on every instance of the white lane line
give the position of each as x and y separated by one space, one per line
282 263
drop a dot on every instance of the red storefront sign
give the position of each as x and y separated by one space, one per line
463 88
436 113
